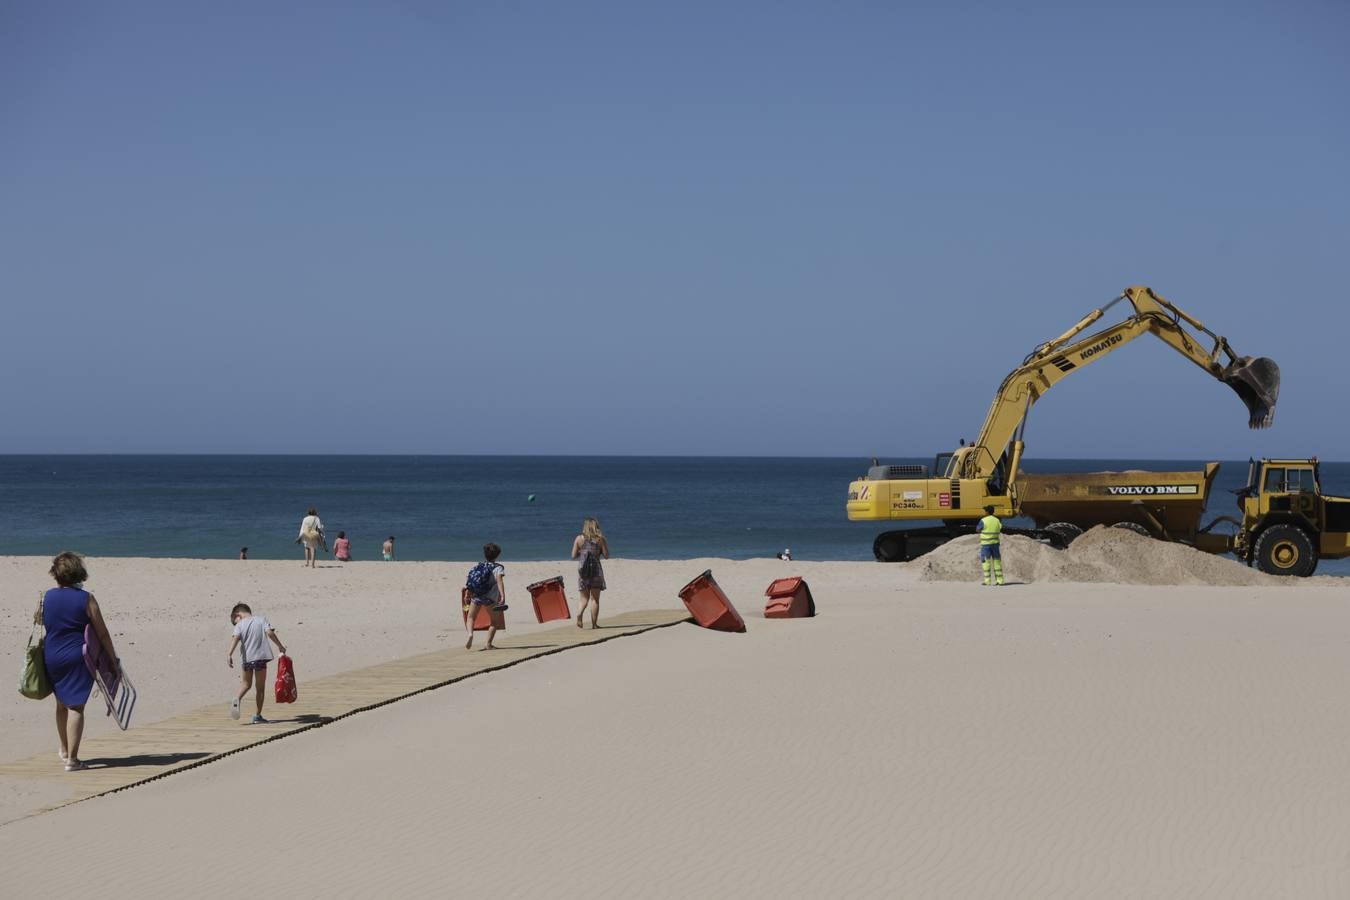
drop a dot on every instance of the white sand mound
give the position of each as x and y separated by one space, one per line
1102 555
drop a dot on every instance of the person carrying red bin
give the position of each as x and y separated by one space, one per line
485 586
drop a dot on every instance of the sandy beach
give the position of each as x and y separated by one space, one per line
917 738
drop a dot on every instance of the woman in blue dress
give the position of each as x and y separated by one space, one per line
66 610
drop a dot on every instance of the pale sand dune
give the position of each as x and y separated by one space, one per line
1102 555
924 740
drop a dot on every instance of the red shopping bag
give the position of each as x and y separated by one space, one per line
285 686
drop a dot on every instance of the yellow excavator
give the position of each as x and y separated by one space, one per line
984 473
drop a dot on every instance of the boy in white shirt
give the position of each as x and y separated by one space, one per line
251 634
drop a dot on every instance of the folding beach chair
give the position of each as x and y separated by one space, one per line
113 683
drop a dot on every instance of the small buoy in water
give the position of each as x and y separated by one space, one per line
530 498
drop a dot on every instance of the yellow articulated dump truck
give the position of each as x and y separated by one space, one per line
1285 523
985 473
1168 505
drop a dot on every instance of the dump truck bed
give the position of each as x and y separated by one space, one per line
1169 504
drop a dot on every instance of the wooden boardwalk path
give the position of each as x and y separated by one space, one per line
143 753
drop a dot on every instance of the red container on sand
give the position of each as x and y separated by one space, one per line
550 600
789 598
483 615
709 606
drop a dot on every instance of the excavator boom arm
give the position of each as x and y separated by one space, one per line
1256 381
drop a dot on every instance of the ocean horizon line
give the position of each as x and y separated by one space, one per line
207 506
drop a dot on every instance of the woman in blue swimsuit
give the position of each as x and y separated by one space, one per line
66 610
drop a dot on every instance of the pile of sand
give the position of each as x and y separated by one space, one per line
1102 555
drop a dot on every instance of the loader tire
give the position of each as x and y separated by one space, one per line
1286 550
1133 526
1063 534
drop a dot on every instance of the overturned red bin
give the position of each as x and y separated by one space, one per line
550 600
789 598
709 606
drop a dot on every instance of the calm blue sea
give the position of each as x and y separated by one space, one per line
445 507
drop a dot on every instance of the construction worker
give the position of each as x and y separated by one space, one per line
990 529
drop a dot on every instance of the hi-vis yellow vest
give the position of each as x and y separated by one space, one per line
990 526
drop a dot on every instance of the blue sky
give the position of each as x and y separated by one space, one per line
732 228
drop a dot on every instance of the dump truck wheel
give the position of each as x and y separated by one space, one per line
1133 526
889 547
1286 550
1063 534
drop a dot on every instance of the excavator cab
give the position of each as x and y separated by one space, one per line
998 481
1257 383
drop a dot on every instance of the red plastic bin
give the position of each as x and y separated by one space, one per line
709 606
483 616
549 599
789 598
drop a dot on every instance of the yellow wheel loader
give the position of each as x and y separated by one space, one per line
1287 523
961 483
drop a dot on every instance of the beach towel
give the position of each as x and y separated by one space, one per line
285 686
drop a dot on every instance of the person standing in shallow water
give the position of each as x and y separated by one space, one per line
991 561
590 547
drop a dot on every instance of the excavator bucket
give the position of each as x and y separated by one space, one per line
1257 382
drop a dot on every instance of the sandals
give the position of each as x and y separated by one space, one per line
76 765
